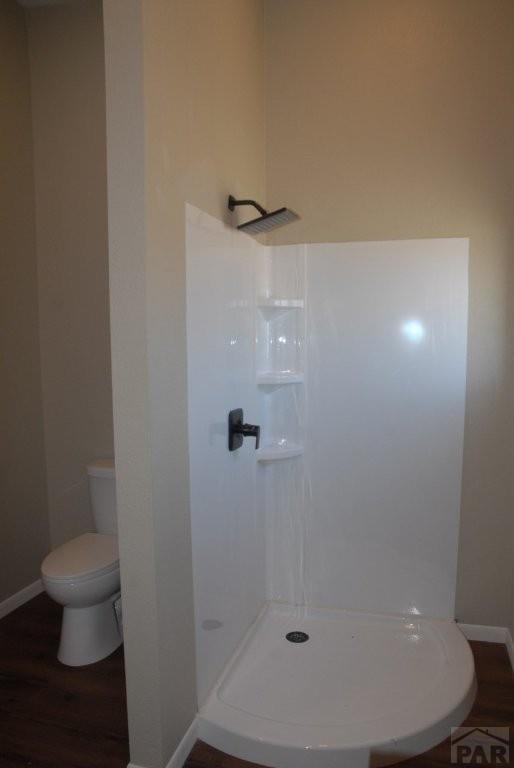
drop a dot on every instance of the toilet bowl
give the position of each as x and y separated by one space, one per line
83 576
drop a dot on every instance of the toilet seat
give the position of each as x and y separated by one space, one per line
86 557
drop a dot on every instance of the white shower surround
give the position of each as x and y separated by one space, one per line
386 383
227 531
352 357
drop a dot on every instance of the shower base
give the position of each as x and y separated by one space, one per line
363 690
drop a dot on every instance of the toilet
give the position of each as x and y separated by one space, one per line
83 575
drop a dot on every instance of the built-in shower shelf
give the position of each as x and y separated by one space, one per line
271 303
271 307
279 451
278 378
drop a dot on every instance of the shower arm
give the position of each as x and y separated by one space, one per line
232 203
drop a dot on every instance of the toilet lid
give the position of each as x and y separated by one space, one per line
91 554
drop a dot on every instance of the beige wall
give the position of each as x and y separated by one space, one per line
23 507
68 106
202 91
55 375
396 120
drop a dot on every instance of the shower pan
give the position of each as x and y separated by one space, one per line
324 559
363 690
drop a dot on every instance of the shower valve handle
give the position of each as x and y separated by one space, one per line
237 430
251 430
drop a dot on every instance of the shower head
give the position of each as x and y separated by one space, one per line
266 221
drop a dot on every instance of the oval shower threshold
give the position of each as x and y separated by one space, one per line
362 690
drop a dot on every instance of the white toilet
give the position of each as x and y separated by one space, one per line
83 575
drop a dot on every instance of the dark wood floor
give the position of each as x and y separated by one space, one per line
494 706
52 716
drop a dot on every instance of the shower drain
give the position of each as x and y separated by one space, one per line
297 637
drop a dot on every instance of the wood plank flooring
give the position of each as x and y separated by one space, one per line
494 706
52 716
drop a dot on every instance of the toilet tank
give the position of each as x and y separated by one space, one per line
102 493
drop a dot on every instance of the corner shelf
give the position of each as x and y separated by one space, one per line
272 308
278 378
271 303
278 452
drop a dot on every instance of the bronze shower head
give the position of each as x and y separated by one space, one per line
266 221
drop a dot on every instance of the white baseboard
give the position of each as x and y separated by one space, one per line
181 753
510 648
23 596
484 634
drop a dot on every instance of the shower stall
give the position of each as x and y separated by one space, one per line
324 561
